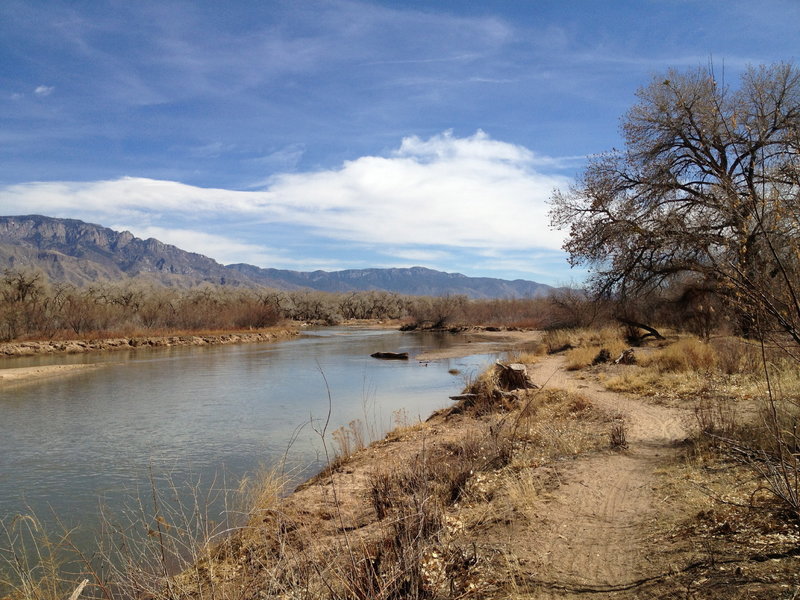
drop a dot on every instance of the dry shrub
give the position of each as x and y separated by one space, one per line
785 377
31 562
737 356
393 567
609 336
688 354
557 340
411 560
584 356
716 418
523 490
350 439
555 423
580 358
260 493
617 435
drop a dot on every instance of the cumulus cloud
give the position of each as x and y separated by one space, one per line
441 193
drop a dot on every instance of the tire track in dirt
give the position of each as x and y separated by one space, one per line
592 535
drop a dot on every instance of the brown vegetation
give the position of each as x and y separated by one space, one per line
33 309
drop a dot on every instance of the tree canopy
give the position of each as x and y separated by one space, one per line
706 190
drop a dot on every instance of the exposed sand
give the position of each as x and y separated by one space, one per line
18 375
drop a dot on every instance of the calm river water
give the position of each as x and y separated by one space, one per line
199 413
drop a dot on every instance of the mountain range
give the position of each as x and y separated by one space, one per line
73 251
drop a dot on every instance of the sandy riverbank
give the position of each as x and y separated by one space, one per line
18 375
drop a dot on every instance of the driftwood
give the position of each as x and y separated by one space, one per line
390 355
79 590
464 397
626 358
651 331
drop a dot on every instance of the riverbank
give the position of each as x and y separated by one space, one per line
598 480
565 489
34 348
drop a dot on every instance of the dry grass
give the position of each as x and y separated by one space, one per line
694 370
685 355
583 345
524 490
31 563
524 357
585 356
555 423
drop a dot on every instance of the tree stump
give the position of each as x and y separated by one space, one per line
513 376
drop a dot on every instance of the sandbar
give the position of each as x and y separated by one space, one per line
35 374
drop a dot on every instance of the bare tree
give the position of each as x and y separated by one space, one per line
706 188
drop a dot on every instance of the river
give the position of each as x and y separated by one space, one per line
204 414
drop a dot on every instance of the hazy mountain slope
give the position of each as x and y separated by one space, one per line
78 252
414 280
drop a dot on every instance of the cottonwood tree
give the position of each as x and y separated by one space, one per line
706 191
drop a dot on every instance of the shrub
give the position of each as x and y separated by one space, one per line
689 354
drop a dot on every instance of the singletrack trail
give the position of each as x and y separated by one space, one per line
593 534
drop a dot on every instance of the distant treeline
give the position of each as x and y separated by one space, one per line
33 308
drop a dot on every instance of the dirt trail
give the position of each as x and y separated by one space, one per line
594 534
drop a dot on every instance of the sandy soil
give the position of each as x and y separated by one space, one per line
594 535
21 375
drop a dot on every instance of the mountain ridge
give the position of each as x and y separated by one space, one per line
81 253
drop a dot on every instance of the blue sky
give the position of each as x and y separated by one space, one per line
340 134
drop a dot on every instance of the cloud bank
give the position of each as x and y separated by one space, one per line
431 197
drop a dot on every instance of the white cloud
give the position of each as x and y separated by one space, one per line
443 191
221 248
44 90
439 192
420 256
285 158
225 249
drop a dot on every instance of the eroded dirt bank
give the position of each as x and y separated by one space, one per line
11 349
